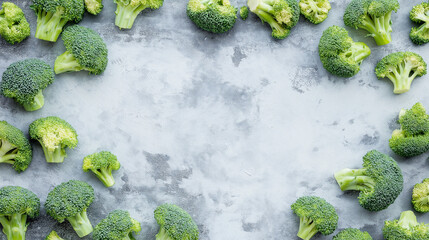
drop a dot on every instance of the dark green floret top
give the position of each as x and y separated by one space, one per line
102 164
94 6
316 11
128 10
53 236
216 16
15 149
244 12
420 14
13 26
117 226
352 234
175 223
420 197
406 228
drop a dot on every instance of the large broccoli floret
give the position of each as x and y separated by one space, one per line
407 228
215 16
86 50
372 15
69 201
94 6
117 226
15 148
25 80
281 15
339 54
380 181
352 234
52 16
127 10
316 11
17 204
420 197
102 164
13 26
315 215
175 223
420 15
54 135
53 236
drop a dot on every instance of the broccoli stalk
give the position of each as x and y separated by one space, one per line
81 224
407 220
50 24
105 176
66 62
38 102
162 235
14 226
54 156
354 179
307 228
7 152
126 14
378 27
402 76
278 30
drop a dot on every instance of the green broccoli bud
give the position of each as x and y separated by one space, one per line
102 164
13 26
420 197
15 148
127 10
93 6
216 16
244 12
420 14
175 223
352 234
117 226
316 11
407 228
53 236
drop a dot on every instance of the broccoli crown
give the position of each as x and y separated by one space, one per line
94 6
339 54
18 200
24 81
127 10
352 234
102 164
13 26
15 148
53 236
316 11
380 181
244 12
406 228
401 68
420 198
420 14
175 223
117 226
215 16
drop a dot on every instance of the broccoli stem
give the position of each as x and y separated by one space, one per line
408 220
358 51
36 104
7 152
402 77
66 62
354 179
81 224
50 24
162 235
55 156
14 226
307 228
126 14
379 27
422 202
105 176
278 30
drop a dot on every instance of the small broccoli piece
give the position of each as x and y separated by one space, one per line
86 50
407 228
315 215
70 200
52 16
127 10
93 6
380 181
352 234
117 226
401 68
339 54
373 16
15 148
175 223
420 14
216 16
17 204
316 11
413 137
102 164
13 26
25 80
281 15
54 135
244 12
420 197
53 236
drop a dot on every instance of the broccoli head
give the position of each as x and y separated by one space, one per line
216 16
17 204
117 226
380 181
420 197
86 50
52 16
25 80
244 12
316 11
352 234
315 215
339 54
406 228
15 148
420 14
102 164
281 15
127 10
175 223
93 6
70 200
54 135
53 236
13 26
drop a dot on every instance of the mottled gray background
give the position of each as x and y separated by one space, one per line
232 127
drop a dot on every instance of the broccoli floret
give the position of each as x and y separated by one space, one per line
407 228
420 14
216 16
53 236
17 204
52 16
420 197
316 11
175 223
94 6
373 16
315 215
15 148
380 181
70 200
244 12
102 164
352 234
13 26
117 226
401 68
281 15
25 80
127 10
86 50
54 135
339 54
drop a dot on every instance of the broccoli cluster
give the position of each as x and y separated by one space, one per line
127 10
15 148
216 16
352 234
420 14
13 26
406 228
244 12
117 226
175 223
102 164
316 11
420 197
